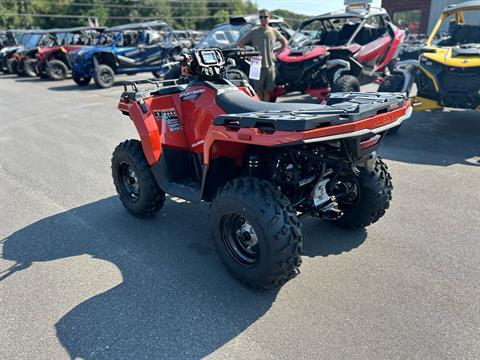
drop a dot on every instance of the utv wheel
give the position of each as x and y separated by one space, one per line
12 66
392 83
346 83
29 67
371 193
256 233
134 181
104 76
57 70
173 73
81 80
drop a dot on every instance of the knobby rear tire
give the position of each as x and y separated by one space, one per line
375 188
280 240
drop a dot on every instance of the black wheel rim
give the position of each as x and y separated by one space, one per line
106 76
346 189
57 70
240 239
129 181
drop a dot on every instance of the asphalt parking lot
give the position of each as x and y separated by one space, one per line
80 278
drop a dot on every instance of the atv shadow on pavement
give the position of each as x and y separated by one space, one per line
26 79
91 86
176 299
440 138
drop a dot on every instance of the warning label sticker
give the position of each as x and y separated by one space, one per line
170 117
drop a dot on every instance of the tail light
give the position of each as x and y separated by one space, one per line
370 142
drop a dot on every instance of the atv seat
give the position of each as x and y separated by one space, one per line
236 102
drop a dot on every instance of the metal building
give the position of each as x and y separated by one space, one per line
421 15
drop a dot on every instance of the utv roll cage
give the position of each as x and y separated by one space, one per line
138 26
458 30
252 18
150 25
349 32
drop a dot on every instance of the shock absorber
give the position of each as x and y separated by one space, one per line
254 165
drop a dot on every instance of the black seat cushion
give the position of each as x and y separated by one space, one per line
237 102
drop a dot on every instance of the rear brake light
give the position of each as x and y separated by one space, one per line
370 142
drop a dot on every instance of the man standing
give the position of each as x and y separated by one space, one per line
263 39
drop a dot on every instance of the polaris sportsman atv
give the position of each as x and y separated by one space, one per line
54 62
447 73
263 166
126 49
226 37
337 51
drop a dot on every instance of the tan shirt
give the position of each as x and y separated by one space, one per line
264 42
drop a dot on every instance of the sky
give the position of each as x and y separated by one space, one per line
307 7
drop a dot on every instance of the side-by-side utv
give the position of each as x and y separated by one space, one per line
447 73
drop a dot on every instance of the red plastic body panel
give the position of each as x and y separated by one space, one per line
373 50
42 52
286 56
219 135
319 94
393 50
198 134
195 117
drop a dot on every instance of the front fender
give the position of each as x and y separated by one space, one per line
408 69
105 57
343 66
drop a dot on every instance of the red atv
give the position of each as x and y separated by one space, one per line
263 166
336 51
55 62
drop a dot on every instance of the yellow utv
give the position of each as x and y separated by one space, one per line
447 73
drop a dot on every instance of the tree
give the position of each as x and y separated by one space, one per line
290 17
221 16
190 14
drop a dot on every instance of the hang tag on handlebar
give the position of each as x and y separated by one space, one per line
255 67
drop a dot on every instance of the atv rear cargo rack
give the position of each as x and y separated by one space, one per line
158 84
341 108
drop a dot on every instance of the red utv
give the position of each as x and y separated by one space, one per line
337 51
55 62
263 166
23 61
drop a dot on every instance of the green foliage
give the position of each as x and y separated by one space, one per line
221 16
181 14
293 19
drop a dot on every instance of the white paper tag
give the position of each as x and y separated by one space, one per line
255 67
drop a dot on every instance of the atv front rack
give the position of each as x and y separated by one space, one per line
341 108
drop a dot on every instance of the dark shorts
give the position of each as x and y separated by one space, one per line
267 80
